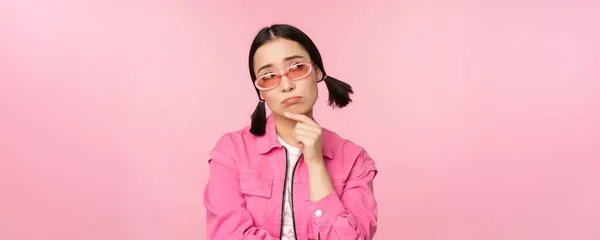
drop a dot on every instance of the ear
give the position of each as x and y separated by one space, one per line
319 74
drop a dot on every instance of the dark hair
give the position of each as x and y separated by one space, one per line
339 92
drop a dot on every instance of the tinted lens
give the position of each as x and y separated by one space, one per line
269 81
299 71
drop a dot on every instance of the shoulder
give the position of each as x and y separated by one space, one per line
231 146
341 145
347 155
236 138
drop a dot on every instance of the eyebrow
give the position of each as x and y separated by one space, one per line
285 59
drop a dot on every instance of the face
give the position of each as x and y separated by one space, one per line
297 94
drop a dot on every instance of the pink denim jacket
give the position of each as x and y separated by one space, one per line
244 195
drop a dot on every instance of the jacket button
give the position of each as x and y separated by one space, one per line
318 213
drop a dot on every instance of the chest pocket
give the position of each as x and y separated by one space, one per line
257 190
255 184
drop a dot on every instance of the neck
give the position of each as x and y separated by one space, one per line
285 127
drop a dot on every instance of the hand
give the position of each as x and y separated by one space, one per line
308 136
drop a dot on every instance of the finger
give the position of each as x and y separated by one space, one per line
300 118
307 139
304 141
312 128
306 133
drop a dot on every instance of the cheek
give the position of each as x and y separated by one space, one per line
311 88
270 97
271 94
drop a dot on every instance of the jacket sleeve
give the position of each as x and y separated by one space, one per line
353 214
226 214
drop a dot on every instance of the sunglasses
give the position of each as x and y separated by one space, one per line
295 72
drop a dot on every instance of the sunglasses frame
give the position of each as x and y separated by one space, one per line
310 69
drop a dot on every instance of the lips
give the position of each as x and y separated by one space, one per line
291 100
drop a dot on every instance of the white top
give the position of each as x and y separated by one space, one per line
294 154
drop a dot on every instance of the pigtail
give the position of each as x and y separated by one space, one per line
339 92
259 119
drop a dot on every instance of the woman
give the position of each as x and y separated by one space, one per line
284 176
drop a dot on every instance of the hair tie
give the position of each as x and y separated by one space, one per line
324 77
261 100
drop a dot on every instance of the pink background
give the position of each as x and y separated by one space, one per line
491 110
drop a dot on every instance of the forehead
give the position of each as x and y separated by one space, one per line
275 51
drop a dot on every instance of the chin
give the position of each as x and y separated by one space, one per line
296 108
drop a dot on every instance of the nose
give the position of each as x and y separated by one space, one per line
286 84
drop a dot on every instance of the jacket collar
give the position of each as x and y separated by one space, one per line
269 141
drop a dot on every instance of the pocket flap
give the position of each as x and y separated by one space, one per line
256 185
